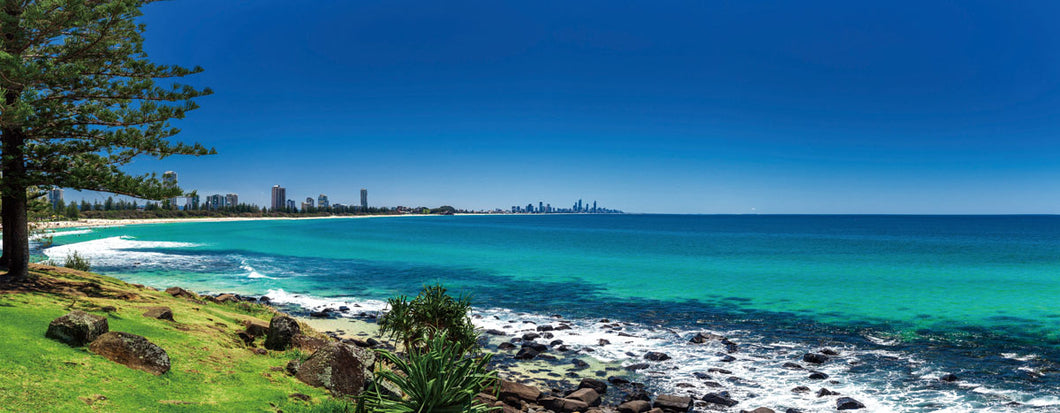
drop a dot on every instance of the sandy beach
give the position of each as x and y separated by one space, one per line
85 223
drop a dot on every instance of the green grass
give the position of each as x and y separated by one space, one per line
211 368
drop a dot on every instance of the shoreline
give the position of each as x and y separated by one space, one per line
97 222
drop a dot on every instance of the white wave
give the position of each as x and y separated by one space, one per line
311 303
122 250
251 272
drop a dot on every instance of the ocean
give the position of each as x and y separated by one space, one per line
904 300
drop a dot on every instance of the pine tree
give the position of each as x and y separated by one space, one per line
79 100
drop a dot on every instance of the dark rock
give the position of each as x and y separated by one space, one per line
949 377
579 363
829 352
282 330
505 346
547 335
530 336
538 347
727 359
562 327
587 395
598 386
717 370
701 338
700 375
181 293
825 392
634 406
555 343
545 327
256 328
493 332
226 298
669 403
604 342
261 352
131 350
720 398
109 308
709 383
846 403
793 366
617 380
319 314
373 343
307 343
730 346
637 394
264 299
801 389
818 376
793 410
656 356
638 366
161 313
343 369
759 410
247 339
512 393
344 309
526 353
814 358
562 349
563 405
77 328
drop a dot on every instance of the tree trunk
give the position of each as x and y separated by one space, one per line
14 202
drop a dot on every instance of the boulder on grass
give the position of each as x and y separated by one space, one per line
77 328
256 328
181 293
512 393
343 369
161 313
131 350
282 330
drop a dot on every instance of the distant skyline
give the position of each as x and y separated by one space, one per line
664 107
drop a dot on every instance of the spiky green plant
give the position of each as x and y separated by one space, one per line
436 377
430 313
77 262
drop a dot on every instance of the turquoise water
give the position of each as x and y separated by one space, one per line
954 292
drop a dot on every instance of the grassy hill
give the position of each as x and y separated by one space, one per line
212 370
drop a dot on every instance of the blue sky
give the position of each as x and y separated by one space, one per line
670 107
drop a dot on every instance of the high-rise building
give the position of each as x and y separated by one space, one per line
364 199
308 203
215 201
191 202
55 197
322 201
279 198
231 200
594 207
169 180
540 207
290 204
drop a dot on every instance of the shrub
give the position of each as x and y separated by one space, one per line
77 262
436 377
431 313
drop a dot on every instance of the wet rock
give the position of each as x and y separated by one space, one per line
672 404
563 405
634 406
949 377
493 332
721 398
604 342
587 395
617 380
637 394
282 330
717 370
598 386
656 356
825 392
562 327
793 366
579 363
846 403
530 336
829 352
704 337
538 347
818 376
132 351
555 343
700 375
793 410
161 313
526 353
637 366
759 410
77 328
513 393
727 359
505 346
730 346
801 389
814 358
343 369
546 327
562 349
